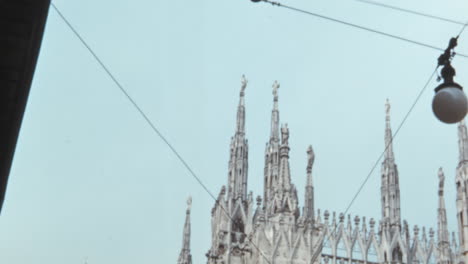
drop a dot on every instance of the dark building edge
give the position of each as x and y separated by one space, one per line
17 71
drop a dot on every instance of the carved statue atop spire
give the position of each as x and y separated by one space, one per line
310 158
441 181
189 203
244 82
387 108
309 189
285 134
276 85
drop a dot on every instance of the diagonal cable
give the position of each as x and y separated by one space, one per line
148 121
412 12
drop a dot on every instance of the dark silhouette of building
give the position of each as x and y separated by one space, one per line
22 25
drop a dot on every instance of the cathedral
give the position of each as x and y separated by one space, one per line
274 229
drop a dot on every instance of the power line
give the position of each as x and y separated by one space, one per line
417 13
145 117
358 26
412 12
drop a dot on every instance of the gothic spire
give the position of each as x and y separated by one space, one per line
388 134
238 161
185 257
274 136
390 188
310 163
309 189
442 229
272 157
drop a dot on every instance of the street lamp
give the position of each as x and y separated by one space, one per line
450 104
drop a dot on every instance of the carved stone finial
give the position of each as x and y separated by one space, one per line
372 223
244 82
326 215
416 230
431 232
387 107
357 220
275 89
341 217
223 190
441 181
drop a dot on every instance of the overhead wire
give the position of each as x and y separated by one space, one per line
357 26
412 12
146 118
464 24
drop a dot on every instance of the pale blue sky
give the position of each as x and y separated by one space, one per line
90 179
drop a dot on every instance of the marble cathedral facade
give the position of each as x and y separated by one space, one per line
272 229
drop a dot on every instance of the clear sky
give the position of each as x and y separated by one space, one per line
91 180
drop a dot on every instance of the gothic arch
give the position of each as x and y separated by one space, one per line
357 250
327 244
397 249
341 247
373 252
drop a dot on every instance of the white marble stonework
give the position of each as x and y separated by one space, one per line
272 229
